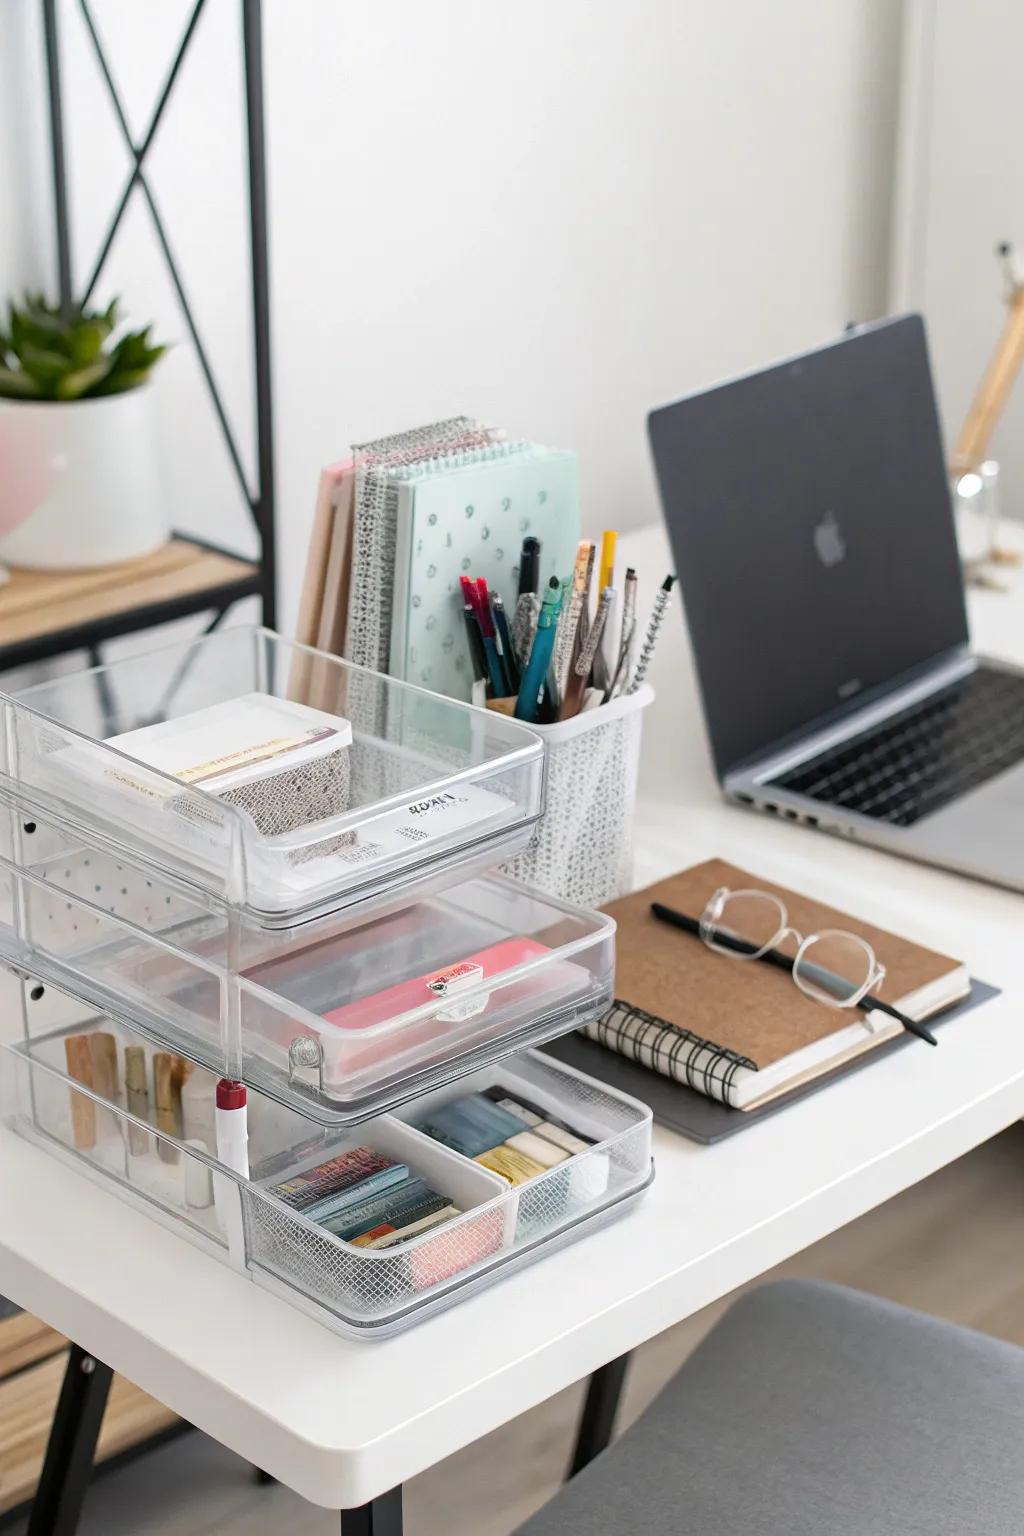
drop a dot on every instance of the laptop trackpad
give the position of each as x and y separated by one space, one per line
984 830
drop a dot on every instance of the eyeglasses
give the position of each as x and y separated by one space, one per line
834 967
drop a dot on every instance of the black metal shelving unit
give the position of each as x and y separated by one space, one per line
250 577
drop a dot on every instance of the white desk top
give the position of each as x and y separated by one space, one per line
341 1422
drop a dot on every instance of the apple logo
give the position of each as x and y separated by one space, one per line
828 540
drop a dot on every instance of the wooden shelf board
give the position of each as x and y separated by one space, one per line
27 1402
24 1340
34 604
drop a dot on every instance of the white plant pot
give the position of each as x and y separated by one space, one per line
79 484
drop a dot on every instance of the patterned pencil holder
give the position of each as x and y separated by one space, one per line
582 847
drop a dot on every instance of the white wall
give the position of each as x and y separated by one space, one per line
551 215
24 190
963 193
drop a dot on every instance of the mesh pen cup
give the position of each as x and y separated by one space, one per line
582 847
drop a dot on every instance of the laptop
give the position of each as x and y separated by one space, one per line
810 517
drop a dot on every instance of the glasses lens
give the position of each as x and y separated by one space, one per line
834 968
751 918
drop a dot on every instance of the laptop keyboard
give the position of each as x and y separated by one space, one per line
924 757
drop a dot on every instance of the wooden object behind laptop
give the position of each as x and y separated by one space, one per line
998 380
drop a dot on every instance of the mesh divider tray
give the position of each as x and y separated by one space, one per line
415 787
341 1019
356 1290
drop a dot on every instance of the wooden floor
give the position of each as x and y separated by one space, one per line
952 1246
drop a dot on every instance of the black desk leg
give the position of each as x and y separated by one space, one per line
381 1517
597 1421
67 1467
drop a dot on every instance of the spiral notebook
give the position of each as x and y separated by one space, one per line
370 600
738 1031
467 514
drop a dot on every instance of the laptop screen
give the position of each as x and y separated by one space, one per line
809 512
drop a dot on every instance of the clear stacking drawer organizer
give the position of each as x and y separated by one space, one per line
244 859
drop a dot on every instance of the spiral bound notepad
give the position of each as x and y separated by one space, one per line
467 515
743 1033
368 632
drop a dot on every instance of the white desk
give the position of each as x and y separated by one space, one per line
341 1422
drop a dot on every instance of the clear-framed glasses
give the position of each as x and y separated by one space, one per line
833 966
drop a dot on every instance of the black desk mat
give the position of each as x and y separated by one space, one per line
706 1120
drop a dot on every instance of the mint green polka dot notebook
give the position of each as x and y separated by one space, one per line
467 515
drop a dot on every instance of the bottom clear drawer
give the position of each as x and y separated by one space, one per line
448 1220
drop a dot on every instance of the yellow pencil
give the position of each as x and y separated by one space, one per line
607 568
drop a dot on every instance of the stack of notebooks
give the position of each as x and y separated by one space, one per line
399 522
739 1031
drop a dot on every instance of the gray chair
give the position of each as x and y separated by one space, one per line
811 1410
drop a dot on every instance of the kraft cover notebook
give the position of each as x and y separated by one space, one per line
741 1032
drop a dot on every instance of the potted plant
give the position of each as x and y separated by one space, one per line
78 478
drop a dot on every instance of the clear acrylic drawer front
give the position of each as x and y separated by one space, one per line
354 1289
429 784
342 1026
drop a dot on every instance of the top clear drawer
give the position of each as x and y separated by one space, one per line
284 781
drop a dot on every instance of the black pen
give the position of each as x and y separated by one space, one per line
477 659
784 963
529 566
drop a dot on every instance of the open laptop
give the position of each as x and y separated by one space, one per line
811 523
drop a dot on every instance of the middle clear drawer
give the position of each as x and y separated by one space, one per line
341 1021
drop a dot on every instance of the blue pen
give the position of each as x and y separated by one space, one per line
540 654
495 661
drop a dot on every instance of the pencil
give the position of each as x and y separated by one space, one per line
651 637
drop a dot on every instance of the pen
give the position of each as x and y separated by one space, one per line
493 671
573 699
508 653
529 566
651 637
492 644
604 660
609 539
627 633
784 963
540 653
572 612
477 659
524 625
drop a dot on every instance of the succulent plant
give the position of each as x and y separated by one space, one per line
50 353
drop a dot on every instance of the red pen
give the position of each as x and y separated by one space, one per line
484 607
